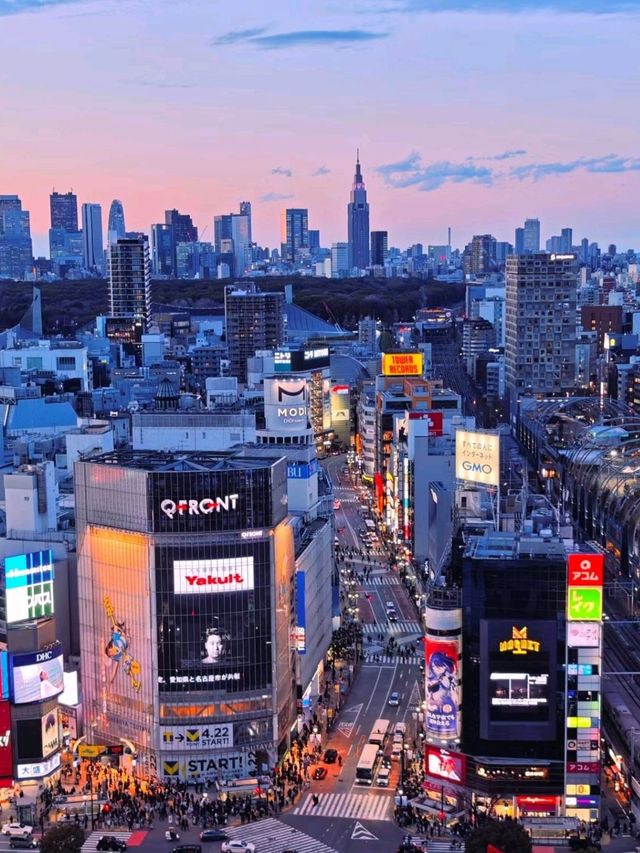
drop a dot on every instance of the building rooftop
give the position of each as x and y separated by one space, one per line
180 461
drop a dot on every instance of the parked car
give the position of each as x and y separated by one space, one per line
330 756
110 842
13 828
213 835
319 773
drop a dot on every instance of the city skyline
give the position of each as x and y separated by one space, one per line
554 138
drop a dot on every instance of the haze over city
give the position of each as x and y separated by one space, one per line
473 115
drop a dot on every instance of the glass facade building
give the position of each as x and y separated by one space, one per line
187 582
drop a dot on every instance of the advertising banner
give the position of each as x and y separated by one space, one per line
301 614
233 765
214 636
402 363
50 731
585 635
29 586
6 747
435 419
443 688
37 675
286 404
38 769
446 765
478 457
214 736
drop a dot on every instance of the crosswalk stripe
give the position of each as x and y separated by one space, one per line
438 846
91 842
403 627
366 806
382 581
389 659
273 836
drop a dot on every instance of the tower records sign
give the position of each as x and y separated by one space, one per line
286 404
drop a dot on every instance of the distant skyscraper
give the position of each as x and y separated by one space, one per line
162 248
519 241
116 229
379 248
480 255
16 252
92 245
240 230
566 245
531 240
358 222
64 211
245 210
294 233
339 260
184 231
540 323
314 240
221 230
130 279
254 321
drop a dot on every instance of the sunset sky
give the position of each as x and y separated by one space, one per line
469 114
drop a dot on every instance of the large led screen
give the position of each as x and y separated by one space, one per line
214 616
29 585
518 679
38 675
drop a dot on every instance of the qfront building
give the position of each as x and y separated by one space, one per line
187 596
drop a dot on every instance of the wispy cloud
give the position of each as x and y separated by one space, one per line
412 172
17 7
298 38
321 170
279 170
275 197
513 7
607 164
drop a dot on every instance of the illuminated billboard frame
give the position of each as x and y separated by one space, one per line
37 676
444 764
478 457
29 586
402 363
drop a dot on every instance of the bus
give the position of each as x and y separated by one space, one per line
367 765
379 732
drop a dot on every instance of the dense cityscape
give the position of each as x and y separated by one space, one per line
330 541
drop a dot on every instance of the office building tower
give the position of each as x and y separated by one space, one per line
339 260
221 230
314 240
566 241
254 321
116 229
531 239
162 250
294 234
358 222
130 279
479 256
540 328
16 251
184 231
519 241
195 260
240 228
64 211
92 246
379 248
245 210
503 249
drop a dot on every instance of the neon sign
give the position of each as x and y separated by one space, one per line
194 507
519 644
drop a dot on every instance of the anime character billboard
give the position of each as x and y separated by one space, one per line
443 688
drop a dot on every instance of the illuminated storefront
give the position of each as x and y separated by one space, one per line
186 575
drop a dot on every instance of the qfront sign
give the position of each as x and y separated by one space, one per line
478 457
206 506
234 574
29 586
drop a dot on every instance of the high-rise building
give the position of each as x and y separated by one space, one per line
221 230
240 234
566 240
294 233
519 241
245 210
254 321
480 255
339 260
16 251
116 229
64 211
162 250
184 231
358 222
531 239
130 279
92 245
314 240
379 248
540 328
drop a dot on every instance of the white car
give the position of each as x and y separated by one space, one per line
236 846
16 830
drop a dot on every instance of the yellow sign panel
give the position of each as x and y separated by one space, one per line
478 457
90 750
579 722
519 644
402 363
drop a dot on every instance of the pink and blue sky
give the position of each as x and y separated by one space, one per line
468 113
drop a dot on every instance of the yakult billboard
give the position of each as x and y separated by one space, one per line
478 457
234 574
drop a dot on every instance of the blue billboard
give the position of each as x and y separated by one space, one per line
29 585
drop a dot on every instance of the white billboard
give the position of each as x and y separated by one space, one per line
234 574
286 404
212 736
478 457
